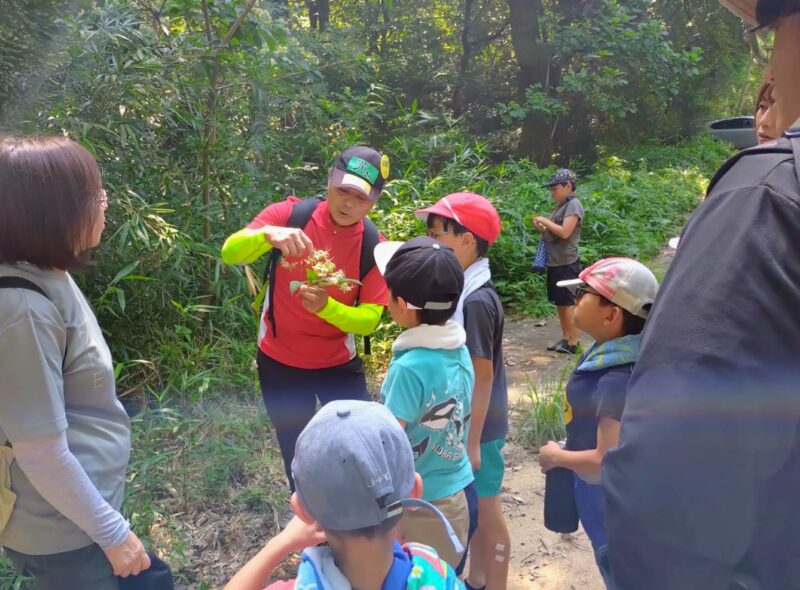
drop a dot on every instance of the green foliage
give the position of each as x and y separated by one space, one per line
633 203
540 413
9 579
213 465
195 136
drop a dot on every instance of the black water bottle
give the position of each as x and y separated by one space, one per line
560 509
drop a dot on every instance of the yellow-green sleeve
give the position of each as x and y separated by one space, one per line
360 319
244 247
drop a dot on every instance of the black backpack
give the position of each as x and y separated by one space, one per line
299 218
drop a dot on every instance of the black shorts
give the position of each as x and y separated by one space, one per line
561 296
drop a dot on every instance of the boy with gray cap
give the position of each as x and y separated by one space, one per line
354 475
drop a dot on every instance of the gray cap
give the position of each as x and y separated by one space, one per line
353 468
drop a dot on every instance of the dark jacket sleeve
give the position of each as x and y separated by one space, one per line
709 432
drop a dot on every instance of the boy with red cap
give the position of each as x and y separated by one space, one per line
470 224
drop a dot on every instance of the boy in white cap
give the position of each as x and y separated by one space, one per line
354 474
613 298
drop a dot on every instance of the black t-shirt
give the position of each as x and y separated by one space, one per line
483 322
705 480
592 395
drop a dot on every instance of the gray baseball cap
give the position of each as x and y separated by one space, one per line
353 468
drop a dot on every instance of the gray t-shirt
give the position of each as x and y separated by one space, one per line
56 374
562 252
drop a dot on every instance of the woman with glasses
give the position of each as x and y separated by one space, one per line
67 437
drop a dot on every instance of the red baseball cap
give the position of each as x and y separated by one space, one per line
472 211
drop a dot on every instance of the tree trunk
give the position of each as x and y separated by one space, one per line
313 14
324 11
466 56
534 58
385 28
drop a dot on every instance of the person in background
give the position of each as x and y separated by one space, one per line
765 119
562 233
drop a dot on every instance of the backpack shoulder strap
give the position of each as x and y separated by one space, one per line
366 263
303 210
369 240
299 218
20 283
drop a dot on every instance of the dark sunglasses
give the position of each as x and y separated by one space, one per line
581 291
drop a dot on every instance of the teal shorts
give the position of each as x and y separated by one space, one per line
489 478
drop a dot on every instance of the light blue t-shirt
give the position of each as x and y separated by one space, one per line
431 389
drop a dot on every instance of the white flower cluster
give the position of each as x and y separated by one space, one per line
322 272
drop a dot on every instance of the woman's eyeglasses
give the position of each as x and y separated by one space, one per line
103 200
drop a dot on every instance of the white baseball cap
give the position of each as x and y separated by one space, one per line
623 281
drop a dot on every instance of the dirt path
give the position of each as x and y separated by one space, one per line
540 559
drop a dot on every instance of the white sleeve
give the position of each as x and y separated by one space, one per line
56 474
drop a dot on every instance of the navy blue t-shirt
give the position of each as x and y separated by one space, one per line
483 323
592 395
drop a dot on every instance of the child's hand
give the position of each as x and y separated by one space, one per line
539 223
299 534
474 454
548 455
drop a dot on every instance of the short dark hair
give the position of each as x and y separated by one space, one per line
49 194
768 12
764 93
572 185
458 229
631 324
372 532
432 317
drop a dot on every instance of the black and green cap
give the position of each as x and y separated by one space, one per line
362 168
